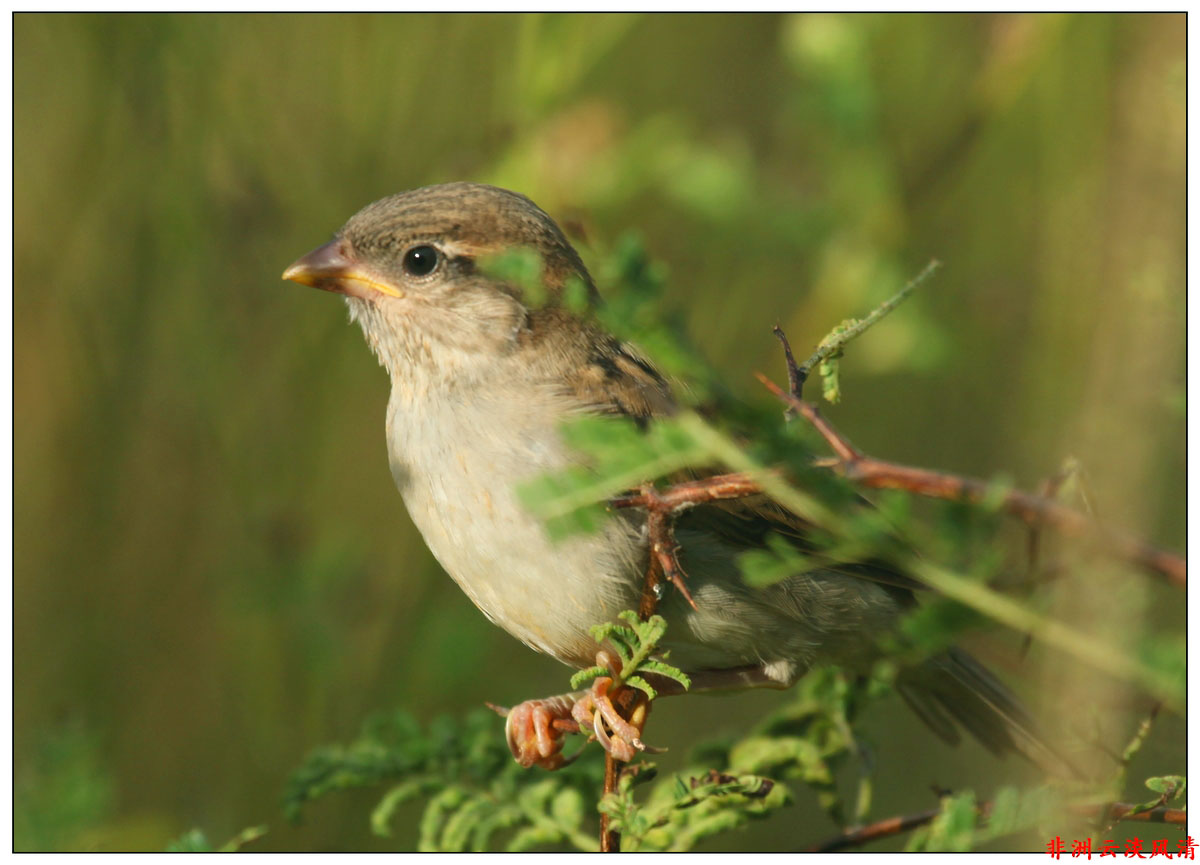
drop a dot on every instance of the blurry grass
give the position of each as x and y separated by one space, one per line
212 565
62 792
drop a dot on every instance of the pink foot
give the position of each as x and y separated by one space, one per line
595 711
535 729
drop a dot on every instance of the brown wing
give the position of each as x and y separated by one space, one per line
599 370
612 377
748 522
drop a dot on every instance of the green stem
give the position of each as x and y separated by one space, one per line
969 592
833 342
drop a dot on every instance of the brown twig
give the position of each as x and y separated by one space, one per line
1140 735
831 347
663 565
872 831
610 842
681 496
1124 811
1033 510
663 562
896 825
796 377
660 507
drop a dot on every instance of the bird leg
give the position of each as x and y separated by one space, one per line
535 728
595 711
614 717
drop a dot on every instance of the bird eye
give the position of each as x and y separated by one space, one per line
420 260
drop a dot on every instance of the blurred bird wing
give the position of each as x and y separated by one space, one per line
616 379
748 523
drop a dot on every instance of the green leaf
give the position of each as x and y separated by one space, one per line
567 807
434 819
831 388
1171 786
522 269
760 754
642 685
1004 816
381 816
576 297
530 837
617 456
192 841
935 625
779 560
661 668
584 676
862 802
954 828
458 828
504 817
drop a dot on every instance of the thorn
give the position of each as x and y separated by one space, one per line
683 590
795 378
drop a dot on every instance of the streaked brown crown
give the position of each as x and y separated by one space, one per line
476 219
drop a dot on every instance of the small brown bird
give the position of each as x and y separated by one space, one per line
481 381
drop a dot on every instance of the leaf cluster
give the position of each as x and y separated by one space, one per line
688 807
477 797
634 310
963 826
196 841
617 456
811 737
634 642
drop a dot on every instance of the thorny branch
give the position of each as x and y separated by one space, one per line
1032 509
896 825
660 507
832 345
610 842
1037 511
664 565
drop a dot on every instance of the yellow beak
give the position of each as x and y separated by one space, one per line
332 267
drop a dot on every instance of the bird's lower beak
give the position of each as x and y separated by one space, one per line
333 267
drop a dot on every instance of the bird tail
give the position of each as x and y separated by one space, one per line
953 689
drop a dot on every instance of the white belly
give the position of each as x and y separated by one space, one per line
458 476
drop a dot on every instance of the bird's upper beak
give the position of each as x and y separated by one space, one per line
333 267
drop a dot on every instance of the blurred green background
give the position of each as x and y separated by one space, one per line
213 572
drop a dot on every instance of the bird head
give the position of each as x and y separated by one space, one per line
412 268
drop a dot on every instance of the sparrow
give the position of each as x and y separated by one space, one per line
482 379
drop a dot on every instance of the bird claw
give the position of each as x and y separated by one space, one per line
595 711
534 730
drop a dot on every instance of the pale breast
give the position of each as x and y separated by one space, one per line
457 462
